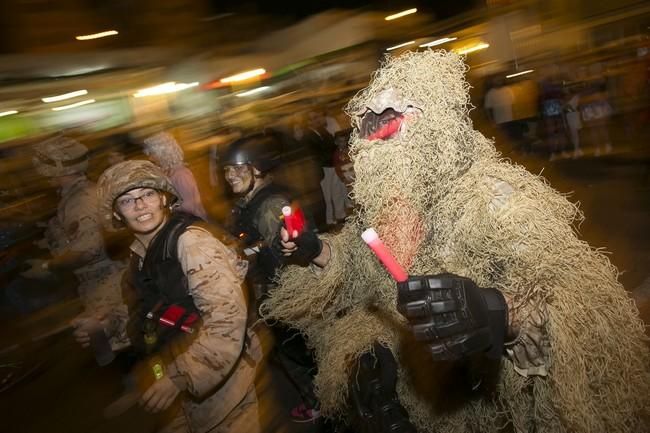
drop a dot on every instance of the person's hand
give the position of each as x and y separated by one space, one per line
84 327
37 271
454 316
160 395
302 248
288 247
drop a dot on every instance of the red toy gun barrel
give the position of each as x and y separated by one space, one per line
294 221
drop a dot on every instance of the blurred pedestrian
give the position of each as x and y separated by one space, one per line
163 149
596 111
74 235
322 144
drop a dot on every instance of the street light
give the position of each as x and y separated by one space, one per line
96 35
401 14
76 104
528 71
472 48
243 76
8 113
65 96
437 42
400 45
161 89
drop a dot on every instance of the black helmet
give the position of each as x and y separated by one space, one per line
261 150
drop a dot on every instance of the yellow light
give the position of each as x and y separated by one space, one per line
247 75
472 48
76 104
401 14
400 45
437 42
253 91
8 113
65 96
96 35
161 89
528 71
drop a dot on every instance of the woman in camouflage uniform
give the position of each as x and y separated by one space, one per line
177 265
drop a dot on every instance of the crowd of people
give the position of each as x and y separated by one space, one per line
570 110
501 319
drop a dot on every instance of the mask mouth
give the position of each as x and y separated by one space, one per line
383 126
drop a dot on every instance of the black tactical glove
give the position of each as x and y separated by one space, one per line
376 408
454 316
309 247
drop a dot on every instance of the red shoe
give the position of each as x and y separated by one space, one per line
302 413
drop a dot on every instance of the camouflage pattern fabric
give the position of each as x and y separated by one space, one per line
124 177
76 229
218 378
60 156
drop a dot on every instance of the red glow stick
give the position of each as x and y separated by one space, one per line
371 238
294 221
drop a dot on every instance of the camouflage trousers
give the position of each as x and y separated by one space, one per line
244 418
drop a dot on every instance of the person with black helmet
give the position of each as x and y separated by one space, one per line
256 220
256 216
187 308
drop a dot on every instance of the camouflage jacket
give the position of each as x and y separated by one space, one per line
217 374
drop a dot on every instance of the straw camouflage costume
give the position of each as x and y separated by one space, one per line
74 234
443 201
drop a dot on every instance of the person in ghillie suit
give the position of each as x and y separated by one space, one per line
507 323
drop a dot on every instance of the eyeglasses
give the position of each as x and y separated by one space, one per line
149 197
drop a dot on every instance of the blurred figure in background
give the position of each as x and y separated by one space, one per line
322 144
498 105
163 149
343 164
551 97
74 235
596 112
572 115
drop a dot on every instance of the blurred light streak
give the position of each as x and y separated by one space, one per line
437 42
401 14
64 96
8 113
76 104
161 89
400 45
244 75
96 35
528 71
253 91
472 48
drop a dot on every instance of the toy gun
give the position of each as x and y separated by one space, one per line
294 221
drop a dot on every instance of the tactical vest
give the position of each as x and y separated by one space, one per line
158 284
245 228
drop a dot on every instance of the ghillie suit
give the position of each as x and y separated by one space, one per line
441 198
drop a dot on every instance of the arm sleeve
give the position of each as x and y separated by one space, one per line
185 184
82 231
269 221
214 275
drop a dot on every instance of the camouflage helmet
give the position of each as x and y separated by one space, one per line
60 156
125 176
